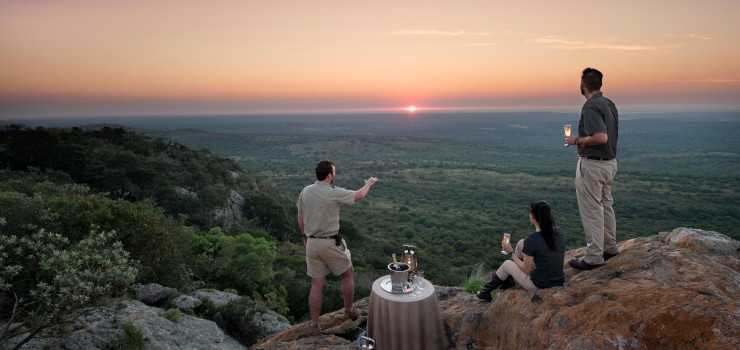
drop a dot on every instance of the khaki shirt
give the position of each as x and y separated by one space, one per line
319 205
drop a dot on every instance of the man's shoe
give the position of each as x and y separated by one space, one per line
352 315
581 265
608 256
314 330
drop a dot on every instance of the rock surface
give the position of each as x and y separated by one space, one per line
232 213
217 297
337 333
153 293
186 302
271 321
103 324
677 290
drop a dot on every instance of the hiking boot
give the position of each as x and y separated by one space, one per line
508 283
608 256
352 315
582 265
484 296
485 292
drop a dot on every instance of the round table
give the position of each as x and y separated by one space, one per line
406 321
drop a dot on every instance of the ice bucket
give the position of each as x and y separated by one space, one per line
400 277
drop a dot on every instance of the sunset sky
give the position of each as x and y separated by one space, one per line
81 58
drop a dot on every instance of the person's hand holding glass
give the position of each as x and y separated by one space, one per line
566 129
505 246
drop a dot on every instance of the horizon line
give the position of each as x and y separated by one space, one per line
404 110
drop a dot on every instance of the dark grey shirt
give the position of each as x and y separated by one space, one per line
599 114
548 264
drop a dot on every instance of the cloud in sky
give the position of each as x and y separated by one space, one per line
690 36
581 45
702 80
481 44
438 32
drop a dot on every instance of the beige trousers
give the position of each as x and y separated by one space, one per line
594 193
509 268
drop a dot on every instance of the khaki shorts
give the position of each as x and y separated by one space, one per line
323 256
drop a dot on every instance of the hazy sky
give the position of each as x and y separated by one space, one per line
65 58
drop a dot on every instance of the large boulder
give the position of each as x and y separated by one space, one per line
153 293
185 302
233 212
271 321
216 297
675 290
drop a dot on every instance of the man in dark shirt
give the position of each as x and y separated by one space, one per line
597 150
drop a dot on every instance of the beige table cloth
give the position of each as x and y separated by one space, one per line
411 321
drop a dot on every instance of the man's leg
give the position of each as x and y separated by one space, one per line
588 193
314 299
348 288
610 221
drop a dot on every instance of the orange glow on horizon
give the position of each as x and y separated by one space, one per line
65 58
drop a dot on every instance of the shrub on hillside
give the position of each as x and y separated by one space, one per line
46 279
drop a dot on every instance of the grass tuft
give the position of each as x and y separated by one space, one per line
477 278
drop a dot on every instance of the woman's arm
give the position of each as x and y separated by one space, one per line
526 265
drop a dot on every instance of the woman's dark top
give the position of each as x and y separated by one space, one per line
548 264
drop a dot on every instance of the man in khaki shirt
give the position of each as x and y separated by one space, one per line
318 219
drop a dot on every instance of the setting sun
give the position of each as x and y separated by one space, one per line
411 108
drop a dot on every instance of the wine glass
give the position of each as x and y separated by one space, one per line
566 128
507 237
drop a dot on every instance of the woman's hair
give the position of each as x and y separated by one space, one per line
541 211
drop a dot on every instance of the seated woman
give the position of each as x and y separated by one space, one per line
538 261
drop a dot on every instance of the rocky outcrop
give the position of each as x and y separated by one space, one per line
102 325
183 193
217 297
270 322
337 333
676 290
233 212
186 302
153 293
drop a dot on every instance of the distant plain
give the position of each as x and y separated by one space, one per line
453 183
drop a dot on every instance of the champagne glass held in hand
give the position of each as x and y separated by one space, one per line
566 128
507 237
